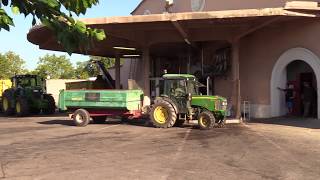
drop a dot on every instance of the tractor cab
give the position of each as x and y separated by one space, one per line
27 81
179 85
180 88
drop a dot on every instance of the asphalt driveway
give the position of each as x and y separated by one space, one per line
52 148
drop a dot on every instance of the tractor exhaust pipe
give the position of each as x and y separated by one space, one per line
208 85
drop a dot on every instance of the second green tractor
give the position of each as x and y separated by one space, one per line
27 96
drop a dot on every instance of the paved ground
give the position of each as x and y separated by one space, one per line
51 148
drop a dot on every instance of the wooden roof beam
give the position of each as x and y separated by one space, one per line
183 33
257 27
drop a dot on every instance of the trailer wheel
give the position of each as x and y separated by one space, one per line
206 120
81 117
163 114
99 119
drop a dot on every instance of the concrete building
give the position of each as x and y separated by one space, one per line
248 47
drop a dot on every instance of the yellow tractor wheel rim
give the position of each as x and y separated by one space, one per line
18 107
203 121
5 104
160 115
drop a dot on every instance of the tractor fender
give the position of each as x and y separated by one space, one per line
174 104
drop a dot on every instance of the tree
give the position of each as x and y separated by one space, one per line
11 64
56 67
81 70
72 34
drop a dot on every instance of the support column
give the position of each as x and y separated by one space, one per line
146 72
117 72
236 96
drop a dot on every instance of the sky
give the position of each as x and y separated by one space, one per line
16 39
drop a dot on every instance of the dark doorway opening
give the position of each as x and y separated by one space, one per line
302 78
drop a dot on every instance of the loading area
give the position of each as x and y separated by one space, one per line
52 148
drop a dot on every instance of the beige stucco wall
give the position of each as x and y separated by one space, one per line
260 52
158 6
55 85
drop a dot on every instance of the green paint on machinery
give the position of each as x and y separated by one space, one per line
27 96
211 103
130 100
181 101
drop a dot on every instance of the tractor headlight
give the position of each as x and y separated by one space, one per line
35 90
224 103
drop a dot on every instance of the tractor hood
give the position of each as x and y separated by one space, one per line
211 103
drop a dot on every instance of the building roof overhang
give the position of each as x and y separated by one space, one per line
140 31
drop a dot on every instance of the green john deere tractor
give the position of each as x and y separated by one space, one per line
181 102
27 96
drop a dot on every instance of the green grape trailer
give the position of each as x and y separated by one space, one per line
179 103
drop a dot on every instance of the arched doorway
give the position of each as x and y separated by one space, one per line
300 73
280 77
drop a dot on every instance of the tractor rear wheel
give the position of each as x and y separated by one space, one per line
7 106
22 107
206 120
81 117
51 106
99 119
163 114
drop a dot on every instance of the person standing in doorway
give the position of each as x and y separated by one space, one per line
308 96
290 94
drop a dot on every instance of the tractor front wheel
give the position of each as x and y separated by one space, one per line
163 114
7 100
206 120
81 117
22 107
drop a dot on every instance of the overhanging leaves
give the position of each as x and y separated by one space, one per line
70 33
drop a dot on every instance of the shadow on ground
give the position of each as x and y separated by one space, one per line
34 115
58 122
68 122
291 121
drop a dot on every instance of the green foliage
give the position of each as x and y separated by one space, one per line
57 67
81 70
10 65
72 34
